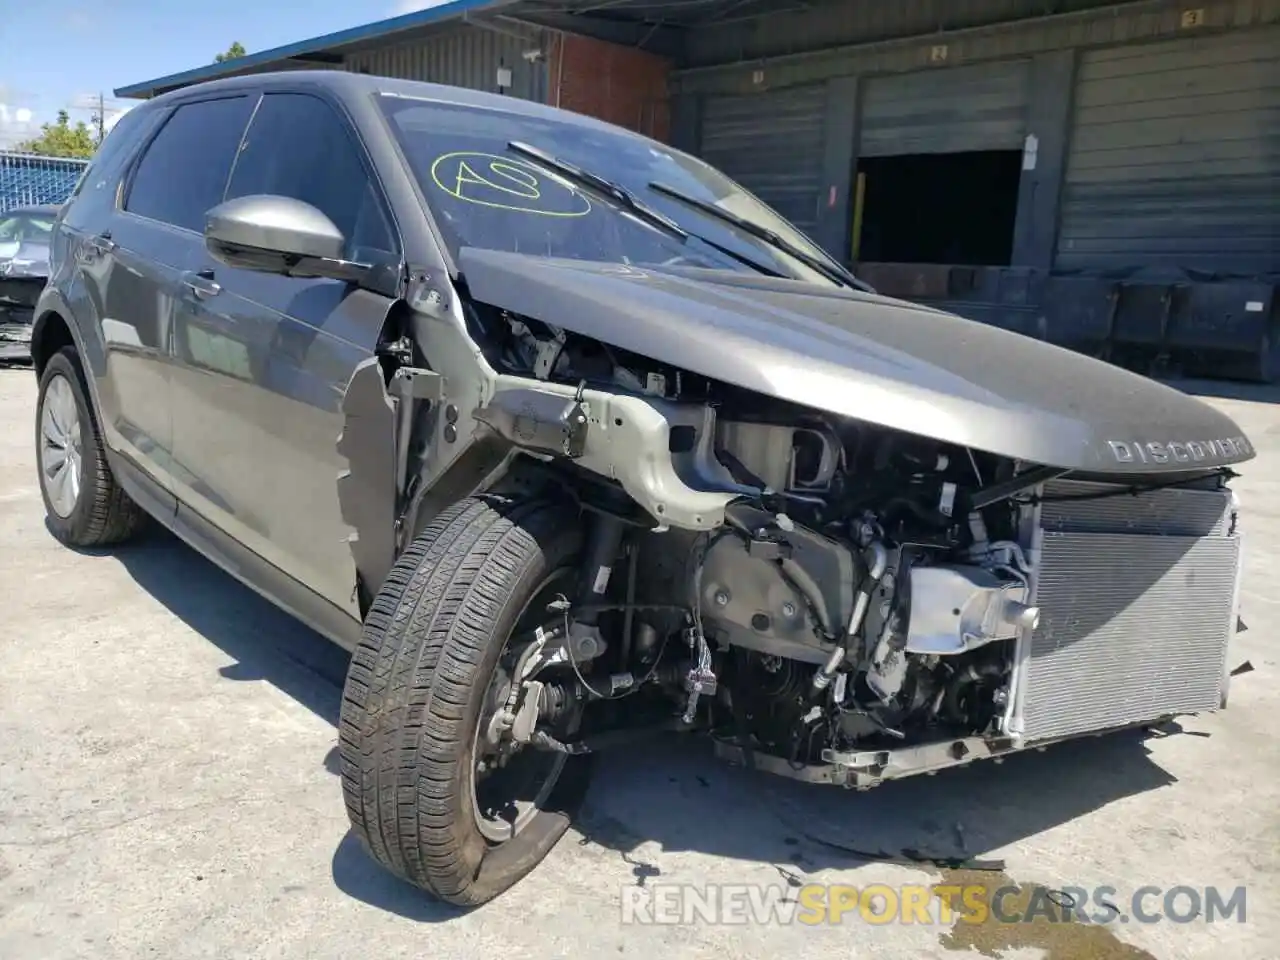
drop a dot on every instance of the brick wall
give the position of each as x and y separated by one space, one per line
618 84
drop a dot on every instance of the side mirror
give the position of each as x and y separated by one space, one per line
282 235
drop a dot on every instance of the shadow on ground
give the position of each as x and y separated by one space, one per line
673 794
357 875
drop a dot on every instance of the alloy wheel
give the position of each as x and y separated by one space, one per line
61 456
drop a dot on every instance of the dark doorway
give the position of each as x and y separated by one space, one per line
955 208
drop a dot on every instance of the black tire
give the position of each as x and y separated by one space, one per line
103 514
416 688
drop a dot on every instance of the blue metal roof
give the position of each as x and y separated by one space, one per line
370 31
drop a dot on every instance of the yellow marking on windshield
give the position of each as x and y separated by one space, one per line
525 184
491 180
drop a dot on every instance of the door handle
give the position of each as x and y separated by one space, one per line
201 283
102 242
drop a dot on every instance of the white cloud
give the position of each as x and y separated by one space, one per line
16 124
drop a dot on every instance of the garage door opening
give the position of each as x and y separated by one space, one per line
950 208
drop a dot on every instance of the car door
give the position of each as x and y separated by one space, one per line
84 250
141 259
268 357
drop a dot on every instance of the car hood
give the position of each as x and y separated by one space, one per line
876 359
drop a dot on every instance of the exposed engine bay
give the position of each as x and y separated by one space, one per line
861 606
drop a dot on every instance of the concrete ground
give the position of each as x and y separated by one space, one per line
168 789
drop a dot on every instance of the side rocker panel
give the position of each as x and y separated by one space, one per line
240 563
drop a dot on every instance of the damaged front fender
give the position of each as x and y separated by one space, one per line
366 487
416 440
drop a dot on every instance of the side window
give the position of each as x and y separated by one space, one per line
298 146
185 169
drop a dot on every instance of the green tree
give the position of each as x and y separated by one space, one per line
61 139
233 51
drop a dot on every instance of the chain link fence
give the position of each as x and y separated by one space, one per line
27 179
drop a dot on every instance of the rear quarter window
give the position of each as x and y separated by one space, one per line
124 136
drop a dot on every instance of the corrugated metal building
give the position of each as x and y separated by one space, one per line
481 44
1103 174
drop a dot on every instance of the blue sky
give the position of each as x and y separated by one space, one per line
57 54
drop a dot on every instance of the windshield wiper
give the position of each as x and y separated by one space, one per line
621 194
832 272
631 203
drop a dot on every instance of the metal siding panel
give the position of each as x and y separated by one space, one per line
1175 156
772 144
834 228
1035 228
845 22
979 107
1107 27
463 57
686 122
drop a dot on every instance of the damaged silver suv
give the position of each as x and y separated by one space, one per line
570 439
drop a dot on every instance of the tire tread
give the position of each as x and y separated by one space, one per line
108 516
403 730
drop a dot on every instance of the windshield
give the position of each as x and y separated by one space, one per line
485 194
25 228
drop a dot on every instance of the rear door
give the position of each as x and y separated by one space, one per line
83 263
142 257
267 358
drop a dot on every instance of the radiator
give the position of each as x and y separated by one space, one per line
1137 597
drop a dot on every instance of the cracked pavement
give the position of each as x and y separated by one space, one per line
168 788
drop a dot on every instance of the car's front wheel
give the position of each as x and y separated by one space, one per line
85 505
429 792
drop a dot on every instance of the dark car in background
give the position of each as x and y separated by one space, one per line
24 269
